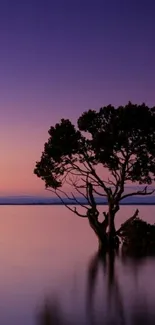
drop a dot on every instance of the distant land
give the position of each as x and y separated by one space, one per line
39 200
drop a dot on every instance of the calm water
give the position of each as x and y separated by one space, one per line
48 253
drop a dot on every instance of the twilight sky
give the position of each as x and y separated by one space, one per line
59 58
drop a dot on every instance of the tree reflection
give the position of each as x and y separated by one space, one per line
138 314
114 299
117 313
51 314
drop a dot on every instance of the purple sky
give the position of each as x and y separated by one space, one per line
59 58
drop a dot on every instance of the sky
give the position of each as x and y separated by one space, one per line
59 58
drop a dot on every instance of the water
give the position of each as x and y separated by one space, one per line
46 253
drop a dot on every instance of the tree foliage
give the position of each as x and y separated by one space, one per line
120 140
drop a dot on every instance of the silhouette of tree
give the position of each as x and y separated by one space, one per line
120 140
114 298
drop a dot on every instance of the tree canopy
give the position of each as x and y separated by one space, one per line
121 140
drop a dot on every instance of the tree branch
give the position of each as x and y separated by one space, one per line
73 198
93 172
143 192
122 179
81 193
79 202
66 205
127 222
98 193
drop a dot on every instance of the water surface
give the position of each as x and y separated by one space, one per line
48 253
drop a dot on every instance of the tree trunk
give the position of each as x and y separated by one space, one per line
101 234
100 228
107 240
113 241
111 225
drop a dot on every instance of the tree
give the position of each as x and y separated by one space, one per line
120 140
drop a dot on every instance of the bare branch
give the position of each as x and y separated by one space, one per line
143 192
66 205
93 173
79 214
73 198
93 181
85 165
127 222
81 193
120 187
82 205
82 171
98 193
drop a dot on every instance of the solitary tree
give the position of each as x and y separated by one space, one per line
107 150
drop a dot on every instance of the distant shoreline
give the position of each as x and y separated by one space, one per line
24 204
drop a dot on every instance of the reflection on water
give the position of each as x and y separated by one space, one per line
118 312
51 314
51 272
